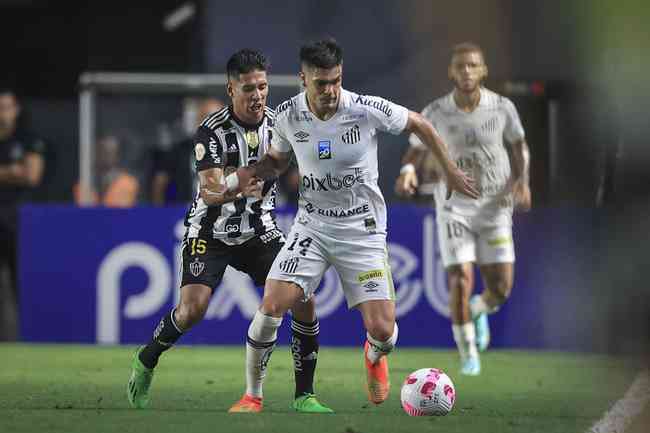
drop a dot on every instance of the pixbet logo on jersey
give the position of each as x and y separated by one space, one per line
332 183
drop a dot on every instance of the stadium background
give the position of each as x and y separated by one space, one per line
582 261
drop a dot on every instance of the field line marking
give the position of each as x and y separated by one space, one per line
623 412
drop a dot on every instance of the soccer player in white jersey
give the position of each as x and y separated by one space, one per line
341 219
237 230
487 141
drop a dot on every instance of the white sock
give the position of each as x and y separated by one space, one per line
478 306
378 348
262 335
465 337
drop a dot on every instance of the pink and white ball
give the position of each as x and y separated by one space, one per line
428 391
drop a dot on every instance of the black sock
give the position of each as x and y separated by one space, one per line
304 350
164 337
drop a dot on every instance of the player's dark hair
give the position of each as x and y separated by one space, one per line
324 54
466 47
245 61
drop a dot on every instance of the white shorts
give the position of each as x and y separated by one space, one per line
360 260
466 240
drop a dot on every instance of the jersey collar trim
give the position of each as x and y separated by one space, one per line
243 124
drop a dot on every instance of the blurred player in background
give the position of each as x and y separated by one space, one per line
341 219
233 229
486 139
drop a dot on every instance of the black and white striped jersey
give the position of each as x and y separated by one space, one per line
225 142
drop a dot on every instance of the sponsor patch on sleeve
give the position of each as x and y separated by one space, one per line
199 151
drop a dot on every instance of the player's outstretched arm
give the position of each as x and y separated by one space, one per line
520 166
455 178
271 165
213 190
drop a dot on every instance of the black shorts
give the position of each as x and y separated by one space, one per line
205 260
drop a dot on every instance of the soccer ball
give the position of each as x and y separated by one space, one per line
428 391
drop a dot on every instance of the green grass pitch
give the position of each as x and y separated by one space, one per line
64 388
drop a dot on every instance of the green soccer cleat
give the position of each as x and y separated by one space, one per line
138 388
482 330
308 403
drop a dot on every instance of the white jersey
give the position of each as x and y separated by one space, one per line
337 158
475 142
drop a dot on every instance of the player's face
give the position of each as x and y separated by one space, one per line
8 111
467 70
248 94
323 87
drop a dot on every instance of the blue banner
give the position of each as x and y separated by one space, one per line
107 275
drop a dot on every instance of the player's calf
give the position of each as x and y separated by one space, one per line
165 335
498 281
304 351
260 342
375 352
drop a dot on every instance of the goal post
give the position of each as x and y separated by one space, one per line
117 94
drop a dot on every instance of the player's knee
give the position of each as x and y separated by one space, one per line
381 330
500 289
271 306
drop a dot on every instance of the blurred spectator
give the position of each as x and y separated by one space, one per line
174 179
21 169
113 186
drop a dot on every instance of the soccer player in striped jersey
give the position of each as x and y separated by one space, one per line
487 141
232 229
341 220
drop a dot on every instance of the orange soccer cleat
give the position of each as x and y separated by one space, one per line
378 383
247 404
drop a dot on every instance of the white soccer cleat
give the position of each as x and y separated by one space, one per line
470 366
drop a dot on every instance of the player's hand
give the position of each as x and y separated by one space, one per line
522 197
213 194
406 184
244 174
460 182
253 188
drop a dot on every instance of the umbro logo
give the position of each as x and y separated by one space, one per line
301 136
371 286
